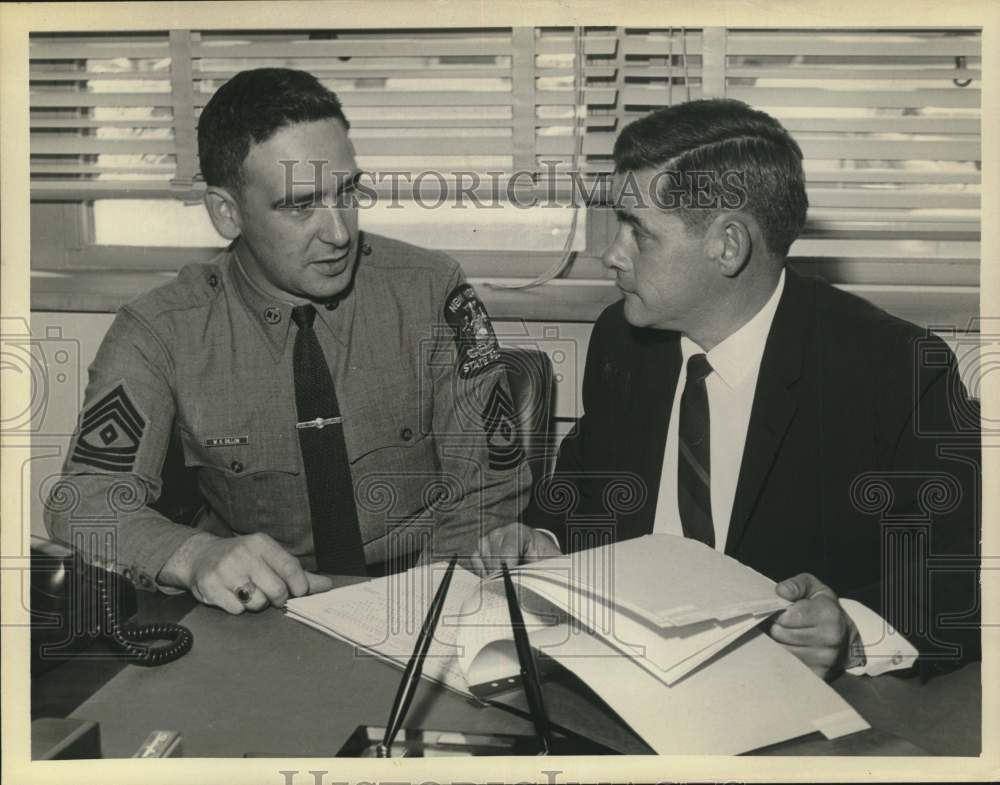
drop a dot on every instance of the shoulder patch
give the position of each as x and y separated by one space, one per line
110 433
477 344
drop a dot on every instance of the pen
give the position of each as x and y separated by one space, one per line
408 684
529 675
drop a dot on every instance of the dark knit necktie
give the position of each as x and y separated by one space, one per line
694 486
336 534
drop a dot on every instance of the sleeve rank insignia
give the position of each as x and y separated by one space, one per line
110 433
502 437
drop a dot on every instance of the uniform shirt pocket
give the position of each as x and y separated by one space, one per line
394 465
249 474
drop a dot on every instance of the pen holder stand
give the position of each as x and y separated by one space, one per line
423 743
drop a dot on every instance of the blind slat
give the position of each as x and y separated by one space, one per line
83 190
863 71
38 167
957 97
73 75
925 230
895 248
430 122
395 98
71 99
852 148
444 145
897 125
892 149
40 49
836 214
82 122
859 197
66 144
818 174
375 47
845 44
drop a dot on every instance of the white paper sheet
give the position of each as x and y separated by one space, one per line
756 696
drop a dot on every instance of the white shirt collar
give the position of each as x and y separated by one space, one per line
739 355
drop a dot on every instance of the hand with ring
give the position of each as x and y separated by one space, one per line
239 574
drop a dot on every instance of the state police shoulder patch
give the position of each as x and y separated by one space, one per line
477 344
110 433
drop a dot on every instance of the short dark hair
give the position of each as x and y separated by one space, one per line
249 109
719 136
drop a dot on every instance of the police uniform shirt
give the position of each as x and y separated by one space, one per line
427 414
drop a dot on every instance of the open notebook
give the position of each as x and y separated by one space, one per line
662 628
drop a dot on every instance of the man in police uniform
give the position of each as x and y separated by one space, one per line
211 360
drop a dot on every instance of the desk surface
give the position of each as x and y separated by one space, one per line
267 684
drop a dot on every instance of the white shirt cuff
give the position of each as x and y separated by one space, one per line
885 649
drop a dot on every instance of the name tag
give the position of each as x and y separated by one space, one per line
226 441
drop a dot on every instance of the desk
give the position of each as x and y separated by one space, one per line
265 683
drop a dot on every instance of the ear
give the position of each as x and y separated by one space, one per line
729 243
224 210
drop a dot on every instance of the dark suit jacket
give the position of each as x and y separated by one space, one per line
861 463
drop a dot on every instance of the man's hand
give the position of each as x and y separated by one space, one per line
513 543
815 628
214 568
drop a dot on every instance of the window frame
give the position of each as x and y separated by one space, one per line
72 268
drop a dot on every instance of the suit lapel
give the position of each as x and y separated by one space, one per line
659 368
774 404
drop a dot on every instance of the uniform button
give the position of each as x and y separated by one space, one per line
366 249
272 315
897 658
213 280
127 574
330 306
236 466
406 434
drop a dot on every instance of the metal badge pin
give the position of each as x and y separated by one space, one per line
320 422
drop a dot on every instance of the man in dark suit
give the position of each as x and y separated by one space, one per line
798 428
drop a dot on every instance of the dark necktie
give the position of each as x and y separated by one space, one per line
336 534
694 486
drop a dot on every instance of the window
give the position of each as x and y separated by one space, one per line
889 122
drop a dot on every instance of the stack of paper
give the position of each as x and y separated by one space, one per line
662 628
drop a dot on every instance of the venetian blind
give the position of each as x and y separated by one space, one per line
888 121
116 117
889 124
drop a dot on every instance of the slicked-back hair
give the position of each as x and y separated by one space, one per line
249 109
732 143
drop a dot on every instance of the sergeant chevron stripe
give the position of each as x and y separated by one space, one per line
110 433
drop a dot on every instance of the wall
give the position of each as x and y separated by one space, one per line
64 344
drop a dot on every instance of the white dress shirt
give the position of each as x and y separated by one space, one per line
730 386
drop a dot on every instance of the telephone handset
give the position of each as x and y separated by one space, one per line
74 604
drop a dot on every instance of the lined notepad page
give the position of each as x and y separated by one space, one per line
384 617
